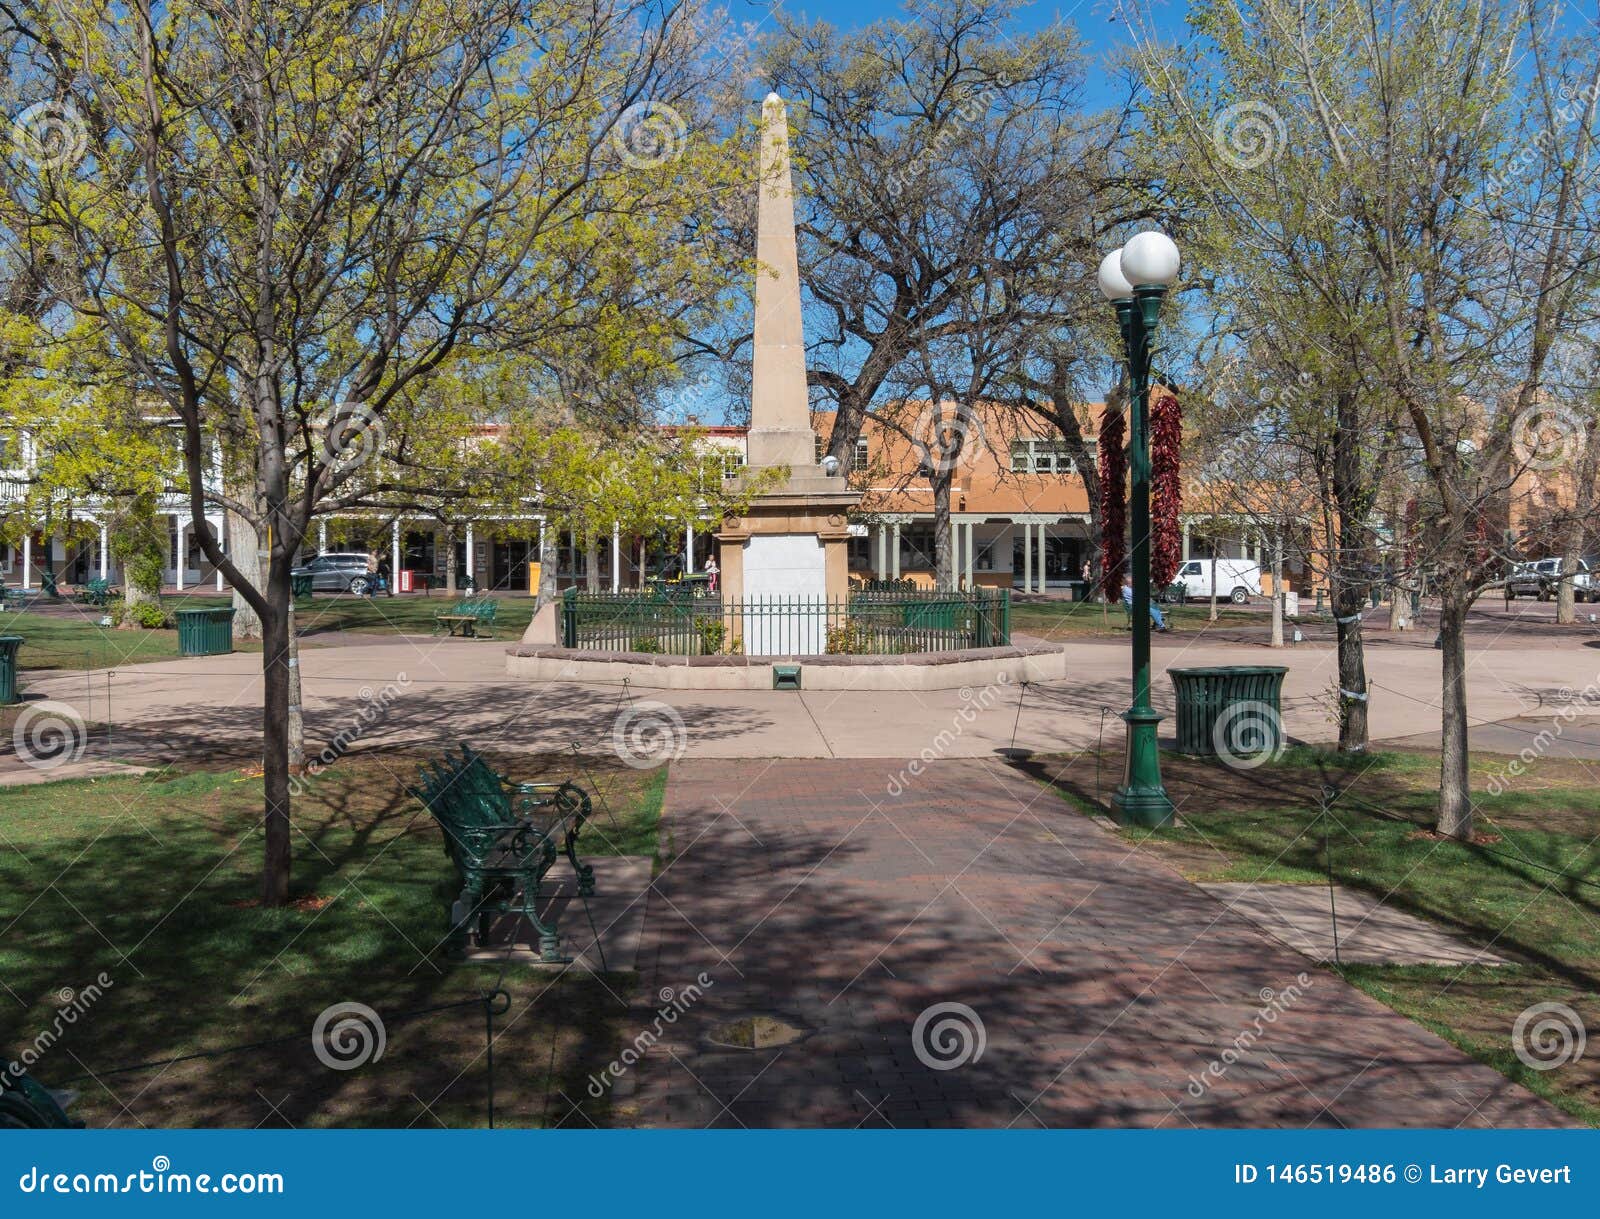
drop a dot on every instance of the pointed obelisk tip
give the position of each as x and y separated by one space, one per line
773 99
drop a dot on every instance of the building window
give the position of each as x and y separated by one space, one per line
732 463
1039 456
863 453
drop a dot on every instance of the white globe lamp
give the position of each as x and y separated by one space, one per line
1113 284
1150 260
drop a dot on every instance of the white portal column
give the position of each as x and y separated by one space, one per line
27 560
1027 557
221 541
182 555
322 537
616 557
688 548
1041 557
394 555
955 555
1186 541
470 552
881 549
970 584
105 552
895 547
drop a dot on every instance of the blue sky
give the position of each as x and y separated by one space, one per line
1096 20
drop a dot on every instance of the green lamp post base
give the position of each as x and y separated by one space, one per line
1142 799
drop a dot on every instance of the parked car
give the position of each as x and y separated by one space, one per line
1235 579
344 572
1542 579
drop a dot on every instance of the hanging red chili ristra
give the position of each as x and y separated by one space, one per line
1113 501
1166 487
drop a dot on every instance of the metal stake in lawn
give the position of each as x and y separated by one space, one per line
1329 794
1135 280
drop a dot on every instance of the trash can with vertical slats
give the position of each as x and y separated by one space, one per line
205 632
1244 699
8 667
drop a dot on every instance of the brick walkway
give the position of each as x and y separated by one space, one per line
1104 983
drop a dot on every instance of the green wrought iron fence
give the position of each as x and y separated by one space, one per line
869 622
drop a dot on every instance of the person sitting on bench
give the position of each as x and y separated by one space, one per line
1156 619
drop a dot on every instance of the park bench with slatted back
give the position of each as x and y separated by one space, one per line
95 592
471 618
503 837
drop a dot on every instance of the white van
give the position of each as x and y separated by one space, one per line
1236 579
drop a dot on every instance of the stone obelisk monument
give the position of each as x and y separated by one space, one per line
790 543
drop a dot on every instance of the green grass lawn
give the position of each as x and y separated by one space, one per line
1068 619
153 880
78 641
402 614
71 637
1528 886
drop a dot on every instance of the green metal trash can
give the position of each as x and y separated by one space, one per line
205 632
1233 710
300 586
8 667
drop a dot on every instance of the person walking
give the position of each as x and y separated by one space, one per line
711 574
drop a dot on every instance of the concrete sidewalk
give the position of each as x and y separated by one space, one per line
427 691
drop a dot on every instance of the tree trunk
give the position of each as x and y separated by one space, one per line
943 561
591 549
248 557
1213 569
1277 590
1566 590
549 560
275 736
1455 795
450 558
1397 606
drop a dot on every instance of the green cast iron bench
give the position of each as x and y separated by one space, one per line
473 619
503 837
96 592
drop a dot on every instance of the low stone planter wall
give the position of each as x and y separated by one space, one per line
917 671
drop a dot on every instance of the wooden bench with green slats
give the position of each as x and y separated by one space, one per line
503 837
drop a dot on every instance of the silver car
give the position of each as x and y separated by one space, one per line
349 571
1542 579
